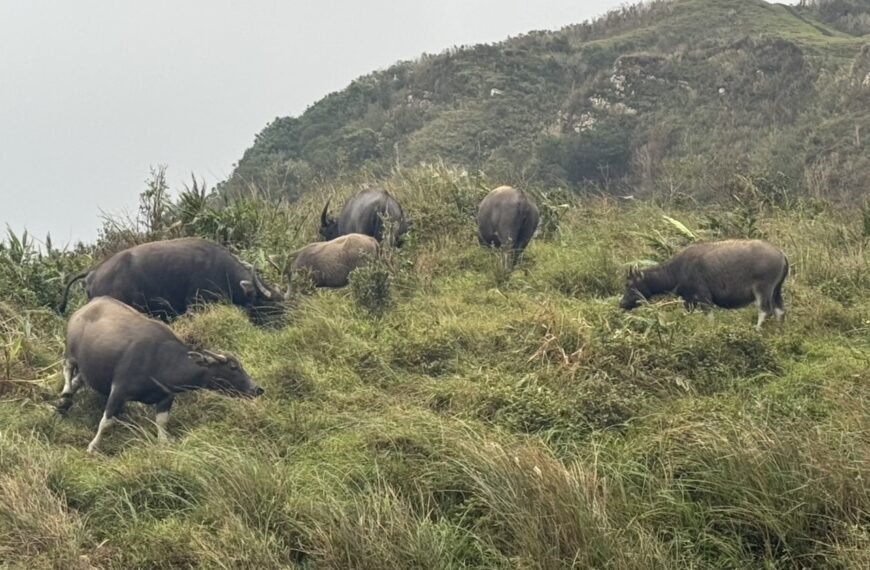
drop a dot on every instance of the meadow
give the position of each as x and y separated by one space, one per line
442 412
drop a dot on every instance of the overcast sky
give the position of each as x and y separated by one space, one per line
93 92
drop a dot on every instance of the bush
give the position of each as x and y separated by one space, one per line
370 287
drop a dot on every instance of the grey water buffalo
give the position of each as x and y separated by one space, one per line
164 278
728 274
507 218
330 262
368 212
127 356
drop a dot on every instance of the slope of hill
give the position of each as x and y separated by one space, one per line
668 97
850 16
439 414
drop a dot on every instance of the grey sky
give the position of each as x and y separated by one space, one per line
93 92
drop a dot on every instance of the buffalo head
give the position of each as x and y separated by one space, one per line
636 289
225 373
263 300
328 224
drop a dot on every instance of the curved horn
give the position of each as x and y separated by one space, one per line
258 283
325 213
217 356
274 264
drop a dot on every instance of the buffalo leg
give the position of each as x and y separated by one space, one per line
516 253
764 301
699 301
72 381
113 407
162 419
778 304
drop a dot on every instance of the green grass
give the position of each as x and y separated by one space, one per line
477 420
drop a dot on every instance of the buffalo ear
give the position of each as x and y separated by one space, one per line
201 359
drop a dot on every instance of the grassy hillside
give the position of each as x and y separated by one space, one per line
439 413
850 16
667 98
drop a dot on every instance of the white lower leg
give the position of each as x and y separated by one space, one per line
162 420
105 423
71 386
780 314
67 376
761 316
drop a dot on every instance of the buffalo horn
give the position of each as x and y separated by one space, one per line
219 357
258 283
323 214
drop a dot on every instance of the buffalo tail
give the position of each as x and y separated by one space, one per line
65 298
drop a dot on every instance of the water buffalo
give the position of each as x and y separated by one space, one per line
507 217
127 356
164 278
366 213
728 274
330 262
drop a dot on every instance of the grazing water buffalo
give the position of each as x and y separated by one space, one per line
330 262
128 357
366 213
728 274
507 217
164 278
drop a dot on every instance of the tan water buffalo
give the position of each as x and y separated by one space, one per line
330 262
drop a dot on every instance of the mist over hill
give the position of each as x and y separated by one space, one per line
667 97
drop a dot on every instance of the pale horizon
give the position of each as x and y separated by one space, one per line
95 93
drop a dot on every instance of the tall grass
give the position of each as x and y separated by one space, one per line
438 415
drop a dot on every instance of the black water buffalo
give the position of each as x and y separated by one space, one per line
127 356
330 262
164 278
508 218
728 274
367 212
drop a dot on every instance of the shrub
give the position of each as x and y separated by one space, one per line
370 287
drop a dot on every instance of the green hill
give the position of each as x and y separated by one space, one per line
666 98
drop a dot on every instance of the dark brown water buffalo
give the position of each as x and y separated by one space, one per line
164 278
330 262
126 356
728 274
367 212
507 218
